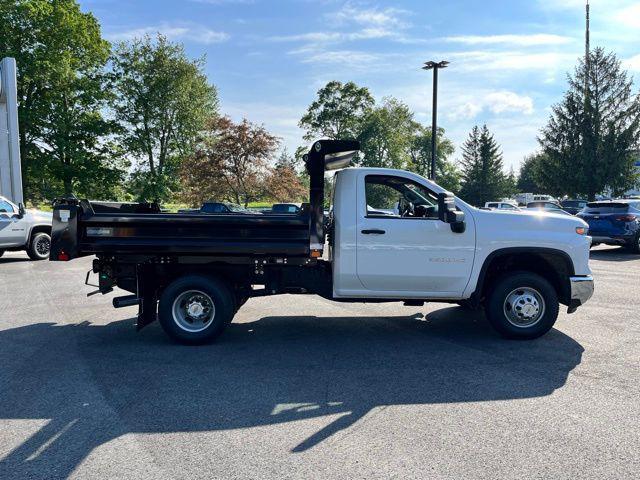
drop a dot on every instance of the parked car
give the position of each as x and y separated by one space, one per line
22 229
544 206
435 247
614 222
502 206
219 207
573 206
284 208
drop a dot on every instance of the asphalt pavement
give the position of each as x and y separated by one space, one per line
300 387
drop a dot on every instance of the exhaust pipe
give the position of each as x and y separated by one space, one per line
126 301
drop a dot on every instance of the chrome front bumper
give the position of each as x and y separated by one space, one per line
581 291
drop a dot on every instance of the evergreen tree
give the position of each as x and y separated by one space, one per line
591 135
483 178
529 178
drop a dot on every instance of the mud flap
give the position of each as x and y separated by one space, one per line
147 290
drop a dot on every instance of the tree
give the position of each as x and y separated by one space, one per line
62 96
529 178
447 174
164 100
229 162
337 113
386 135
283 183
590 138
483 178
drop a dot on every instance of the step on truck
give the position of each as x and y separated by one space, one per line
390 236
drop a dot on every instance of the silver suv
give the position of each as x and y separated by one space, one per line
24 230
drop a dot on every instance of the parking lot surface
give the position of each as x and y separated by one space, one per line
300 387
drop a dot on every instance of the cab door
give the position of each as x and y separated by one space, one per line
12 229
403 249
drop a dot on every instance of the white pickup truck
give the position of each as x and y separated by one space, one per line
391 235
22 229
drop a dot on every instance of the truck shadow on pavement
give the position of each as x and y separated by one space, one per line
89 384
613 254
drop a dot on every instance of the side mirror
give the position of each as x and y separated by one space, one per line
447 212
21 210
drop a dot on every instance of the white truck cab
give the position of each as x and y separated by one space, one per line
386 246
22 229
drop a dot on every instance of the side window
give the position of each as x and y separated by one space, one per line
391 196
5 207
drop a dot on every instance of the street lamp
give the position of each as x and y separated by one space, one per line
434 133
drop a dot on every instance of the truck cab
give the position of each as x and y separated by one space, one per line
22 229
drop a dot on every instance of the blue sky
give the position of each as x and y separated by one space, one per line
509 59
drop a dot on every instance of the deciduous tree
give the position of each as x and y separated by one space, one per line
230 162
62 97
337 112
164 100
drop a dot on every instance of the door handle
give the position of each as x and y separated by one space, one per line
373 232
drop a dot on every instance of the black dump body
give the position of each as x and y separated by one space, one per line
99 228
82 227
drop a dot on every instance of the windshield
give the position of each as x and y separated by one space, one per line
573 203
606 207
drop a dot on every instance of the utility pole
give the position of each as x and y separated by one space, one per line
586 54
435 66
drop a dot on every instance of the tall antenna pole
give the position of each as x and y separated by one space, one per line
586 55
586 50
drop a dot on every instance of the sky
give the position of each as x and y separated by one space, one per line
268 58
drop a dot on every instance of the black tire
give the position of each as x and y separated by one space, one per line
634 246
39 246
530 293
1 252
195 290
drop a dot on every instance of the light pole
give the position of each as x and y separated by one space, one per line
434 132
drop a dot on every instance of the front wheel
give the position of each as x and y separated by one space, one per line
522 306
195 309
39 246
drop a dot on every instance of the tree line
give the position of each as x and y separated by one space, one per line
140 120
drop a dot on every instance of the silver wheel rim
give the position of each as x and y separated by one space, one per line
524 307
43 244
193 311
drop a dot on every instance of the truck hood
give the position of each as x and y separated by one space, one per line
529 218
39 216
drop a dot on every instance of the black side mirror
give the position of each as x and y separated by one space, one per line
21 210
447 212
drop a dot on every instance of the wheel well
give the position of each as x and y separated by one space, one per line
39 229
555 266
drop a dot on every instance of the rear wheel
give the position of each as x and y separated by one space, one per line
39 246
195 309
522 306
634 246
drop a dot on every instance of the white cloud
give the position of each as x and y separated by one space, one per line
192 33
373 17
517 40
633 63
629 16
504 101
352 58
